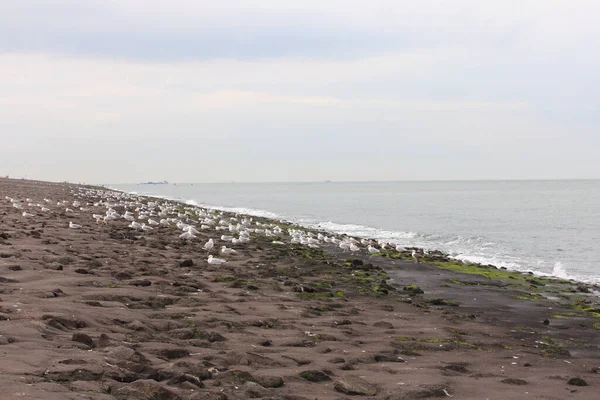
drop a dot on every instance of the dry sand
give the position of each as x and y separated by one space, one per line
106 312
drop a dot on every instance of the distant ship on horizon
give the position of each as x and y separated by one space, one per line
154 183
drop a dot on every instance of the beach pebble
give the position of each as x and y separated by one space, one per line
514 381
577 382
187 263
384 325
355 386
83 338
146 389
315 376
103 340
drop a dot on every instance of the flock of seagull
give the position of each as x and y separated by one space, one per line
190 220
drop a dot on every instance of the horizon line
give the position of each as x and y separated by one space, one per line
359 181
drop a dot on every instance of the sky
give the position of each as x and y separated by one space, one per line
123 91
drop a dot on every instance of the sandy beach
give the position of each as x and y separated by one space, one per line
106 311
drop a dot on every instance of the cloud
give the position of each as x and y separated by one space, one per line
268 90
186 30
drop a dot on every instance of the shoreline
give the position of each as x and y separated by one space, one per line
107 312
268 215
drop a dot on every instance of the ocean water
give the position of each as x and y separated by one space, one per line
549 227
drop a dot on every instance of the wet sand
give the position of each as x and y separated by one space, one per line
108 312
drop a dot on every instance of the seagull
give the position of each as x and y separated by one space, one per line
26 214
416 256
372 250
399 248
129 217
187 235
226 250
152 222
226 238
276 242
209 245
354 247
164 222
74 226
192 230
135 225
147 228
215 261
45 209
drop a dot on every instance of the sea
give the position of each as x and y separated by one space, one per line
549 227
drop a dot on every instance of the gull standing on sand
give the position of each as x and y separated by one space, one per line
417 256
227 250
27 215
129 217
215 261
209 245
147 228
187 235
372 250
135 225
74 226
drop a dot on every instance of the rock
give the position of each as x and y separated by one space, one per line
171 354
266 343
83 338
182 378
238 377
355 386
577 382
207 396
63 323
210 336
514 381
315 376
195 369
384 325
15 268
424 392
123 275
122 353
142 283
187 263
388 358
6 340
253 390
413 289
457 367
270 381
82 271
103 340
337 360
546 322
146 389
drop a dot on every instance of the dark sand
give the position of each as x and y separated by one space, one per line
106 312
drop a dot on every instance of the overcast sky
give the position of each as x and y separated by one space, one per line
115 91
